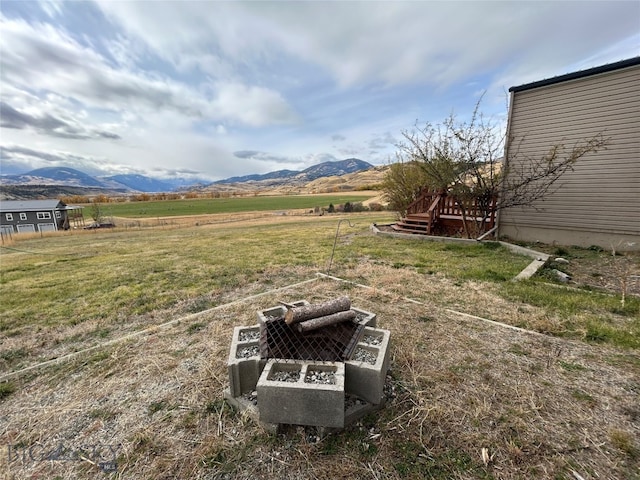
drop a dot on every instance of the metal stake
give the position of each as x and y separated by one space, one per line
335 240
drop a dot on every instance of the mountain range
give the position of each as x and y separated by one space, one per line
325 169
65 176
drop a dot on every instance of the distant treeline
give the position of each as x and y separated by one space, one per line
154 197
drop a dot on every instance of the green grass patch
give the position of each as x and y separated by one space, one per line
12 357
517 349
412 462
6 389
583 397
457 261
203 206
591 315
195 327
156 407
572 367
624 441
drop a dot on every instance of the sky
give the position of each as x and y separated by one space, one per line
213 89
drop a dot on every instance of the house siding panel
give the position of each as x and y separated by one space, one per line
602 194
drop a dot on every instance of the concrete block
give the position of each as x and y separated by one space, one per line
298 401
276 312
355 409
365 318
244 364
530 270
247 407
242 404
366 371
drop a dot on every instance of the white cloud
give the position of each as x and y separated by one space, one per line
179 86
53 8
394 43
31 158
82 74
254 106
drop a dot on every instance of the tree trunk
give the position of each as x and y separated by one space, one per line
306 312
463 211
319 322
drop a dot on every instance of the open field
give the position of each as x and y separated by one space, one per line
207 206
156 307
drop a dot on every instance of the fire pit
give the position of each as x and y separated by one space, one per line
322 370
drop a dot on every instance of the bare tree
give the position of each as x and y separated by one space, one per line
96 211
402 184
534 178
465 160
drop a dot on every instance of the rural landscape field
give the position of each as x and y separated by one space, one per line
114 345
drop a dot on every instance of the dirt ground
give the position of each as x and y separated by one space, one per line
599 268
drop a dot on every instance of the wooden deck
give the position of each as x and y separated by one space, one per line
440 214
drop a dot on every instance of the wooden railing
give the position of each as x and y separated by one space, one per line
422 203
428 204
436 205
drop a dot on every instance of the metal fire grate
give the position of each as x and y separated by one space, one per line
334 343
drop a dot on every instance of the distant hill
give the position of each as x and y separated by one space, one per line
369 179
70 177
39 192
326 169
53 176
277 175
335 169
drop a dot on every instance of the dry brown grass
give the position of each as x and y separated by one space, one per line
542 407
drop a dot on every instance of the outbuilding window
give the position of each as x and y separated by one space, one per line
8 216
44 215
23 216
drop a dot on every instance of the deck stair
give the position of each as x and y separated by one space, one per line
414 223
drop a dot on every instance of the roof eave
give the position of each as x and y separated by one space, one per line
630 62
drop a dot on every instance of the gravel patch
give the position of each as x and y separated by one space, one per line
320 377
248 335
372 339
284 376
246 352
251 397
363 355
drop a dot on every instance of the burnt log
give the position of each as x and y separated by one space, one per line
319 322
307 312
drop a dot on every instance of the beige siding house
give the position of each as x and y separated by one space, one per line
598 203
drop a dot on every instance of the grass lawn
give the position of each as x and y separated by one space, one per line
159 306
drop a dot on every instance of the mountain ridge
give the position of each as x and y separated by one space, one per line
324 169
71 177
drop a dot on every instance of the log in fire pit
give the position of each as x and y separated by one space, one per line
327 331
